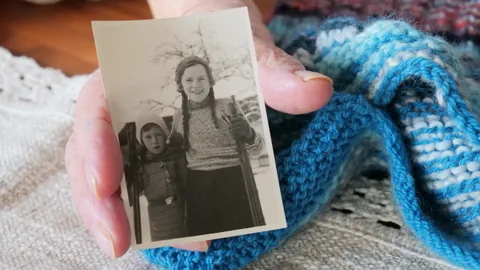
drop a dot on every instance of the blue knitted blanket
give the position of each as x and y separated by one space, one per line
408 100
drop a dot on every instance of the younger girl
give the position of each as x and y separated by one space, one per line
163 178
216 196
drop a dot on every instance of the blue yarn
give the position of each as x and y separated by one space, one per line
305 189
418 113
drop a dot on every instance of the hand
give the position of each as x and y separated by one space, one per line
93 157
95 168
240 127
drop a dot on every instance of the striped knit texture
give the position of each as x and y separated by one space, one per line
400 98
212 148
419 80
456 18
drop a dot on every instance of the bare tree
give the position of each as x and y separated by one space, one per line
226 63
163 108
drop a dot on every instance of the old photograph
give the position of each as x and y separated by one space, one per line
185 102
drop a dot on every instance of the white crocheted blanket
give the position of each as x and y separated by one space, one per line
40 229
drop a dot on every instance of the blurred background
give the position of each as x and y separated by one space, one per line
60 35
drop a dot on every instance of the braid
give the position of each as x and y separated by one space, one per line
186 120
212 103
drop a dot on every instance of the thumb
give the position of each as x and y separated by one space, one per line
285 83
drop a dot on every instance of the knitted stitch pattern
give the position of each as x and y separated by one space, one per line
457 19
212 147
399 96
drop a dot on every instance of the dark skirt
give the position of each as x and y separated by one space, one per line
217 201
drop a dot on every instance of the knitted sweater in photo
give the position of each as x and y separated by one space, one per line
404 99
211 147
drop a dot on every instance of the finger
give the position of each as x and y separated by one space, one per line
197 246
105 218
226 119
95 170
285 83
237 117
238 128
107 221
237 120
97 142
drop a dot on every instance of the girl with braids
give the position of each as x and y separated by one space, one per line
216 197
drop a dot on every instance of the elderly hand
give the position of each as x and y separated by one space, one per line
93 156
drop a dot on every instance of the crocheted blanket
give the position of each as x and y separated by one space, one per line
389 172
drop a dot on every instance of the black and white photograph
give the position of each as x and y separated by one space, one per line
185 102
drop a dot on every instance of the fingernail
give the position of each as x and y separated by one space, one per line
104 240
92 181
309 75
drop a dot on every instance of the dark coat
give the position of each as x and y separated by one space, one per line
163 184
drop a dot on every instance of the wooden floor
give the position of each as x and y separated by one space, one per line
60 35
